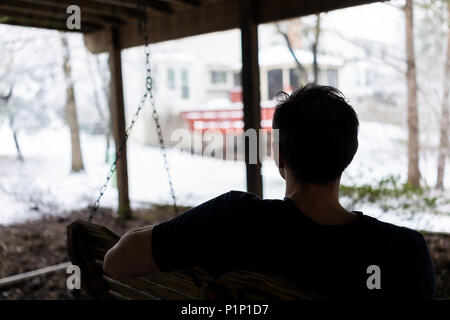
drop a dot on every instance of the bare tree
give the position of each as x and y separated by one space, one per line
16 74
303 76
71 111
443 141
6 99
315 49
414 175
413 119
105 118
106 79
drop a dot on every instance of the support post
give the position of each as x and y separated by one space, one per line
118 123
250 90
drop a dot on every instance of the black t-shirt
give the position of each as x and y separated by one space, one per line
240 231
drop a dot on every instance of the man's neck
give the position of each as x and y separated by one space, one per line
320 202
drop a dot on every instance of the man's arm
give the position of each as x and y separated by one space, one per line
132 256
185 241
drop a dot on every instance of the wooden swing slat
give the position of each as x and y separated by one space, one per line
126 290
9 281
88 244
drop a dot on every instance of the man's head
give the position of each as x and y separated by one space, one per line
318 133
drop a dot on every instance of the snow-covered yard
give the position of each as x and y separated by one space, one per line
43 184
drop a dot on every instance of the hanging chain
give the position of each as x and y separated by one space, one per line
148 93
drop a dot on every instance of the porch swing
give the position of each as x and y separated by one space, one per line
87 244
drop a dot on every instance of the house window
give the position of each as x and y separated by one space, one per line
275 82
370 77
294 79
368 51
171 79
332 77
237 79
218 77
184 84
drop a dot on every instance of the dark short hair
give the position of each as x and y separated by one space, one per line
318 132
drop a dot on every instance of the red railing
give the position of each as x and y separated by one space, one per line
226 120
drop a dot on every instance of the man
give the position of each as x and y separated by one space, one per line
308 237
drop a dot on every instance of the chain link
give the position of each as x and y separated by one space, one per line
142 25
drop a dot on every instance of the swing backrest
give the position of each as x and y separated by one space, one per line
88 244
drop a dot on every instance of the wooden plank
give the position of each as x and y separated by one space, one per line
194 3
250 92
163 291
118 122
128 291
117 295
89 6
20 8
80 236
155 287
157 5
190 283
209 17
9 281
35 21
247 285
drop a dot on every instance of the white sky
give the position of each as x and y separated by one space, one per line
377 22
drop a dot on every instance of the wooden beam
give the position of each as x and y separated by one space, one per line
193 3
89 6
184 23
250 91
20 8
157 5
40 22
118 122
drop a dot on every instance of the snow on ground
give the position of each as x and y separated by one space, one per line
44 184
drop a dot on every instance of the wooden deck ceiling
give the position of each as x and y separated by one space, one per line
168 19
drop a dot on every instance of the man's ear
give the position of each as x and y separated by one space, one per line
277 156
281 163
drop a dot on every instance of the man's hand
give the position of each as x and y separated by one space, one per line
131 256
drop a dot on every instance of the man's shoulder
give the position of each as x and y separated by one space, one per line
409 258
242 199
396 236
241 195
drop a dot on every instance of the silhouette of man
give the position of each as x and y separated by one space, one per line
307 237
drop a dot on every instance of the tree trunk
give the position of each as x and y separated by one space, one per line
106 85
16 142
315 49
11 125
443 143
108 144
71 111
302 74
8 96
413 119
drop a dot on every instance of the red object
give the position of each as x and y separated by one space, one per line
227 120
236 95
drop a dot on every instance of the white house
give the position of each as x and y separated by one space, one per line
204 73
